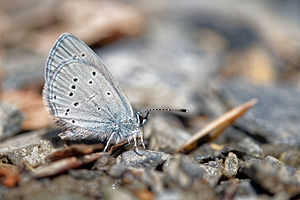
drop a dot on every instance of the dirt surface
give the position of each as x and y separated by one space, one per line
207 57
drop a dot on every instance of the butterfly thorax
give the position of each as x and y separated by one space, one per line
129 128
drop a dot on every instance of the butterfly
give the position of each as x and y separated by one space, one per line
84 99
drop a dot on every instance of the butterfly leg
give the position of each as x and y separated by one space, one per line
142 139
135 144
110 138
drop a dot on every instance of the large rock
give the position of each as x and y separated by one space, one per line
30 149
275 119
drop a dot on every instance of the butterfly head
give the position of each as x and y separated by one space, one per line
142 119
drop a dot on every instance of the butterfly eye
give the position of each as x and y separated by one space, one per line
141 119
94 73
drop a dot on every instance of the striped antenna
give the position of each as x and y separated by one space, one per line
165 109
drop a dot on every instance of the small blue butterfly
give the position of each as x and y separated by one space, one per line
83 97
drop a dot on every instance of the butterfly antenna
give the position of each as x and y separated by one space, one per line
165 109
143 120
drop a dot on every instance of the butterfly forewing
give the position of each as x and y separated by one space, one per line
80 90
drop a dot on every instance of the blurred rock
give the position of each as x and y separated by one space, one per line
138 178
117 171
84 174
252 148
227 189
169 194
212 172
142 159
231 165
11 120
183 171
245 189
104 163
133 179
17 78
29 30
205 154
273 119
156 180
289 155
67 187
166 133
163 76
246 147
29 149
272 175
238 189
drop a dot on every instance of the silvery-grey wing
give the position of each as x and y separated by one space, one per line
79 89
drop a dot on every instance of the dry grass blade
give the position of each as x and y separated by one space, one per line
216 127
63 165
116 147
75 150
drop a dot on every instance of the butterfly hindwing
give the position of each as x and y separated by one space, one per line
80 90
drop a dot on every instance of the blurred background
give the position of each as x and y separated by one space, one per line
178 54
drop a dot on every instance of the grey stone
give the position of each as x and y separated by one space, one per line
117 171
245 189
205 153
236 189
30 149
252 148
272 175
212 172
231 165
156 180
184 171
98 186
169 73
274 119
289 155
104 163
84 174
169 195
11 120
142 159
166 134
246 146
35 190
